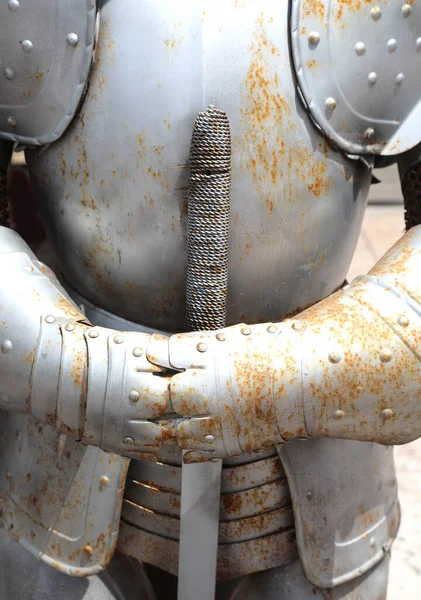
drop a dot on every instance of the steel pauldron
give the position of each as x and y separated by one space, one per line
349 367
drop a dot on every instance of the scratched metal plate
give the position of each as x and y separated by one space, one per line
345 506
358 67
43 71
59 499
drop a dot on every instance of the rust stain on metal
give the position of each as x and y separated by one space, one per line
313 8
266 122
175 39
349 6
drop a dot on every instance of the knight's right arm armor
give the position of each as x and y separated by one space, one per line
94 384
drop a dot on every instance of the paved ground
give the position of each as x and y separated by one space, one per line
383 225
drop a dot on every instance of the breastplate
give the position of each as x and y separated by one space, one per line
113 189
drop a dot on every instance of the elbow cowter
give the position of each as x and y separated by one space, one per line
348 367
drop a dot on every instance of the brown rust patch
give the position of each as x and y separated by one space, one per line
78 366
349 6
313 8
271 150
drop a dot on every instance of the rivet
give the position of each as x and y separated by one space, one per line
360 48
314 38
406 10
221 337
70 327
50 319
28 268
13 5
369 133
375 13
338 414
386 356
400 78
392 45
403 321
129 441
209 439
72 39
9 73
93 333
134 396
27 45
88 550
245 330
138 352
11 121
331 103
334 357
118 339
6 346
272 329
418 44
372 542
73 312
387 413
215 460
309 495
372 78
104 481
202 347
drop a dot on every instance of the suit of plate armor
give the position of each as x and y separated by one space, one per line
290 106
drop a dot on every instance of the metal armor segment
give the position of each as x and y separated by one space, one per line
59 499
343 527
357 65
114 187
257 386
48 50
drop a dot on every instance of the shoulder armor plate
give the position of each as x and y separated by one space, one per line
358 67
47 49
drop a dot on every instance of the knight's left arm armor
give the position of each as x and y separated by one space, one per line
349 367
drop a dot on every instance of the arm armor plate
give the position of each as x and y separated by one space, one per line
93 384
349 367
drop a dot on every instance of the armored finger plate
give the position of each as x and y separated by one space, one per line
358 65
47 49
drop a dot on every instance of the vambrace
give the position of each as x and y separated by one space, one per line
94 384
349 367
